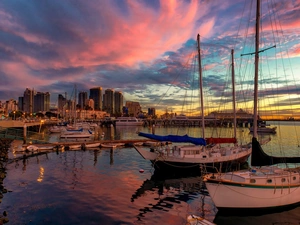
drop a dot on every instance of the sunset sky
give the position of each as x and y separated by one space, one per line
143 47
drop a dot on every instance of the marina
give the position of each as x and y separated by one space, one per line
118 186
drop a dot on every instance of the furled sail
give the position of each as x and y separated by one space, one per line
174 138
219 140
260 158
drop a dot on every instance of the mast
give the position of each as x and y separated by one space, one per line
75 111
256 69
233 92
201 84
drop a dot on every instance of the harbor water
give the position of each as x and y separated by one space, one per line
104 186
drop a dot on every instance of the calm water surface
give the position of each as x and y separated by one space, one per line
105 187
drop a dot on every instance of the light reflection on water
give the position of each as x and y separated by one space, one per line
106 187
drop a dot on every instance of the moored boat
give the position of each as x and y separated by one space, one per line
192 152
271 183
128 121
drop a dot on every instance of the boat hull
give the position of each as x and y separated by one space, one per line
190 162
240 197
273 191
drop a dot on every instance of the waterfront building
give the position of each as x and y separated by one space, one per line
91 114
21 103
96 95
108 101
134 108
10 106
28 101
151 112
228 115
118 102
90 103
41 102
61 105
82 97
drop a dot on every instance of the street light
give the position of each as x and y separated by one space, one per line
14 115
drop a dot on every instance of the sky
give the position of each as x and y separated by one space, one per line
146 49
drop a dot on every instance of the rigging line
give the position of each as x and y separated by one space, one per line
239 27
178 74
280 30
246 34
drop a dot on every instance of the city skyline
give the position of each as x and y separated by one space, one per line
140 48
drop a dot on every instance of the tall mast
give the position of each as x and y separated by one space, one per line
201 85
256 69
233 92
75 100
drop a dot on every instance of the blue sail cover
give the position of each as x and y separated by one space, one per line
175 138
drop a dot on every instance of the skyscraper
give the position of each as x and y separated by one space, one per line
62 101
28 100
108 101
96 95
41 102
82 97
118 102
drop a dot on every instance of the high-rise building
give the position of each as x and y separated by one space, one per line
28 100
96 95
151 111
82 97
11 106
118 102
134 108
90 103
108 101
62 101
41 102
21 103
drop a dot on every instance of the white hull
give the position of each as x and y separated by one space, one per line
111 146
76 134
92 145
38 148
268 130
128 121
195 154
238 190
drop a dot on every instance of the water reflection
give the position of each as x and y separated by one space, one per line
284 216
166 192
106 187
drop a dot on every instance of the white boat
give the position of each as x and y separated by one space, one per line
56 129
108 145
34 148
266 185
77 134
208 151
92 145
128 121
197 220
265 129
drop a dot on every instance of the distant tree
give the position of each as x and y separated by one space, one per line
39 114
50 114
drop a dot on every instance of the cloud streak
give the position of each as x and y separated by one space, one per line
137 47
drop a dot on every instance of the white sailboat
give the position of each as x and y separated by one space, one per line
265 185
208 151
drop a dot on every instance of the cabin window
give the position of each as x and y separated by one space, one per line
269 181
252 181
294 178
282 179
204 156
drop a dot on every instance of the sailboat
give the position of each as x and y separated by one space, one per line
201 151
266 185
